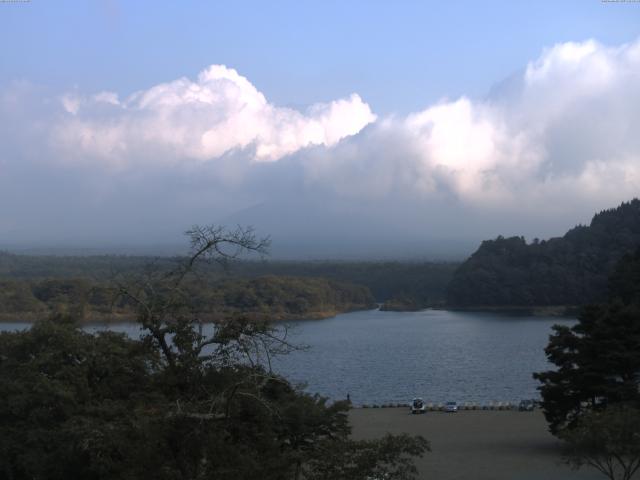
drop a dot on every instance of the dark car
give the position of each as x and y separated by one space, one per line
527 405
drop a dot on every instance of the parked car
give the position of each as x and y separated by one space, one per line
418 406
526 405
451 407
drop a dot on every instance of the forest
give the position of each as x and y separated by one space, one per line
175 404
571 270
567 272
35 286
269 297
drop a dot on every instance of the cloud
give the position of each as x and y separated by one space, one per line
544 150
567 128
200 121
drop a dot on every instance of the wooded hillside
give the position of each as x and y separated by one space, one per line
269 297
569 270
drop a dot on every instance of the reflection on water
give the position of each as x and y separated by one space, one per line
380 357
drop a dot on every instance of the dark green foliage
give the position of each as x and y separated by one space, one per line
390 457
624 283
102 406
68 401
95 267
607 440
598 362
571 270
177 404
283 297
405 302
592 400
82 406
598 359
277 297
17 297
418 283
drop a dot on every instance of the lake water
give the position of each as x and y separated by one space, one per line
382 357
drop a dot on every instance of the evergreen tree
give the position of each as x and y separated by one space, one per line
598 359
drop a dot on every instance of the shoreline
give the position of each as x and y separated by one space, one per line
96 318
567 311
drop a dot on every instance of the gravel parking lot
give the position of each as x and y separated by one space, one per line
476 444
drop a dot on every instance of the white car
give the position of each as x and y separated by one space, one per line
418 406
451 407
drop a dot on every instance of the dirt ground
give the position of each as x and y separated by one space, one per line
482 445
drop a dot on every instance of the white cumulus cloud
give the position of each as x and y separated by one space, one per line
567 128
544 150
200 120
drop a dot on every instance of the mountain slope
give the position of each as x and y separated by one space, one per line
569 270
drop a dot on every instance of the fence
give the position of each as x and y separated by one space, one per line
438 407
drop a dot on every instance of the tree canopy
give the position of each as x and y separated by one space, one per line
401 285
178 403
597 359
268 297
570 270
607 440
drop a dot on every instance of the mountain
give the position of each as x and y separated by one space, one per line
569 270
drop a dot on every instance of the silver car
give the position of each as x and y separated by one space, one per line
451 407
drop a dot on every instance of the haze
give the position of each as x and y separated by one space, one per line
341 129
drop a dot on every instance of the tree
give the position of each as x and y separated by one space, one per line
598 358
624 283
187 401
389 457
607 440
592 400
69 400
571 270
598 361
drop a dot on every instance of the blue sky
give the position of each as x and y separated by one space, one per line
341 128
399 56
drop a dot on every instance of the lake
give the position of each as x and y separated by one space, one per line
383 357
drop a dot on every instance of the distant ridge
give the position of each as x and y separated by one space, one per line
569 270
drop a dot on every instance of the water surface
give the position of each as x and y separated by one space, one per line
381 357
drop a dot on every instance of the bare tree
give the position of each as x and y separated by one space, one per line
171 323
164 308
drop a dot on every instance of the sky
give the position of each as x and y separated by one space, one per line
355 129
